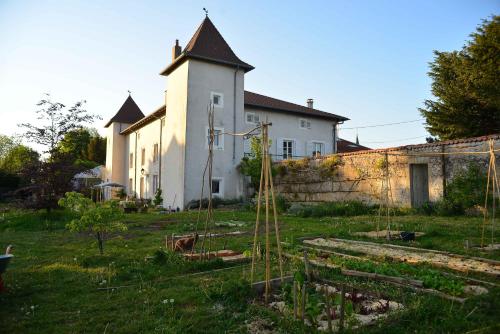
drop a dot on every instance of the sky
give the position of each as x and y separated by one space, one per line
365 60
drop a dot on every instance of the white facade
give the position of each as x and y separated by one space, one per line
179 136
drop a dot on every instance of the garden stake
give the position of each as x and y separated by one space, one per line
306 265
295 299
268 244
303 303
342 304
259 197
328 308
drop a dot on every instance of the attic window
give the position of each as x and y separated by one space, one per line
217 99
304 124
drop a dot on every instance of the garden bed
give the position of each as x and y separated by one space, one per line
226 256
411 255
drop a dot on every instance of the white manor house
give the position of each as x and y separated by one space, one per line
168 148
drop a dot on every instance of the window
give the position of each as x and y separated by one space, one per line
217 99
143 156
130 186
218 187
304 124
155 153
155 184
131 160
218 138
318 149
287 149
252 118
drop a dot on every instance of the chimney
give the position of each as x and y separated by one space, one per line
176 50
310 103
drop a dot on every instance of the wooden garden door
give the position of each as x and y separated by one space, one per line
419 184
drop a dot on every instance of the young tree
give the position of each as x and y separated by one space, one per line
467 87
251 166
17 158
86 146
57 120
98 219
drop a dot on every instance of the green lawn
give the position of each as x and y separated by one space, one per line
56 278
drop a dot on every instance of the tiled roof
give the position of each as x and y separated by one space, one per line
128 113
269 103
208 44
158 113
429 145
346 146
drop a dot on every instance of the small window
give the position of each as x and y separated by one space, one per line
143 156
130 186
287 149
304 124
155 153
131 160
217 99
318 149
218 138
155 184
217 187
252 118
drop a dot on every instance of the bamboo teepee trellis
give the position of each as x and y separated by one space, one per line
266 187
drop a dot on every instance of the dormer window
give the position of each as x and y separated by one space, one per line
217 99
304 124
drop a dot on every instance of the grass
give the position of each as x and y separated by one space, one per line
62 276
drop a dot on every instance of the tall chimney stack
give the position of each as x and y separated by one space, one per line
176 50
310 103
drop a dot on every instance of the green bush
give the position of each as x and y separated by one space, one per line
465 190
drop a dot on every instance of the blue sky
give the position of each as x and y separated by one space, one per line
366 60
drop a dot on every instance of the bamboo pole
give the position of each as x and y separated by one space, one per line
328 308
303 303
255 238
294 299
266 195
276 225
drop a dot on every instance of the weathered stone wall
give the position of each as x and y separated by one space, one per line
361 175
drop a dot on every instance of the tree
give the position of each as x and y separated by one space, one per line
251 166
6 144
50 180
98 219
17 157
86 146
467 87
57 121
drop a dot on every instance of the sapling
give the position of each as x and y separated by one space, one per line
98 219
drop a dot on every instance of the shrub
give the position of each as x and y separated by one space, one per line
328 165
466 190
158 199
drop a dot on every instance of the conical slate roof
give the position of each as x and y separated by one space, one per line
128 113
209 45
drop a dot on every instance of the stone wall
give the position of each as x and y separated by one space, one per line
361 175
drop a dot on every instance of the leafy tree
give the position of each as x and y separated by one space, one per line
18 157
50 180
98 219
86 146
57 121
96 149
251 166
6 144
467 87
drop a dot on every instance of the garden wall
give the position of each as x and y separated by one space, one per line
361 175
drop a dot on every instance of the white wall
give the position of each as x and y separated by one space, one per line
173 150
115 146
205 78
286 126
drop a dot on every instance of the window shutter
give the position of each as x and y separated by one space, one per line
279 149
295 150
310 148
246 146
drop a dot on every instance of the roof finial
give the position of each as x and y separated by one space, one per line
129 92
206 11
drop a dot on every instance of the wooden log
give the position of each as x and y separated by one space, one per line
306 265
